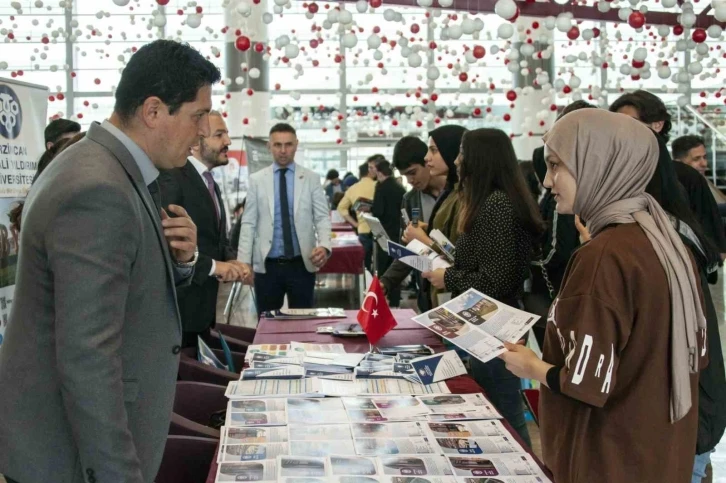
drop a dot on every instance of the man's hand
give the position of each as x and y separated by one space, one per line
248 276
228 272
415 233
319 256
180 233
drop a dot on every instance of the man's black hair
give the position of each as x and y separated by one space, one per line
172 71
683 144
332 174
283 127
384 167
409 150
363 170
58 128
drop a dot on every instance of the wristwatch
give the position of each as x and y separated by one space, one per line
191 262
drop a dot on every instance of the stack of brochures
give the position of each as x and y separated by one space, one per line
305 314
373 439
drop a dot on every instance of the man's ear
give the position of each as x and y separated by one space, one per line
151 111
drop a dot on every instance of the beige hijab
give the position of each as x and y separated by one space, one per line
613 157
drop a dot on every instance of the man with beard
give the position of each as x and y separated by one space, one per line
193 187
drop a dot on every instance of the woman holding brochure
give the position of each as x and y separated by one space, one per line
444 143
498 222
626 335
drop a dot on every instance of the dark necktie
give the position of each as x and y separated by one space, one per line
285 212
155 195
212 192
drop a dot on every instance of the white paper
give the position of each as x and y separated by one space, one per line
388 430
476 446
414 465
383 409
478 324
281 350
299 466
486 412
333 359
382 387
454 403
255 405
251 452
384 446
438 367
272 388
322 448
247 471
308 347
256 419
338 432
272 434
490 465
316 411
279 372
353 466
468 429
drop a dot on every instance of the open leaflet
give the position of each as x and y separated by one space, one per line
478 324
418 256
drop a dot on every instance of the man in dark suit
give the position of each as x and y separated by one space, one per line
193 187
91 353
387 208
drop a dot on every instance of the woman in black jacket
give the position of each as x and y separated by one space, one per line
498 224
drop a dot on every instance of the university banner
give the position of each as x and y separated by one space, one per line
23 112
258 155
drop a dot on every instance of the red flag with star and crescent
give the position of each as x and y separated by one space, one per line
374 316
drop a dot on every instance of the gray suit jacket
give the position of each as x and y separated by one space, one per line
89 363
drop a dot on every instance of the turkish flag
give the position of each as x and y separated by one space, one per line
374 316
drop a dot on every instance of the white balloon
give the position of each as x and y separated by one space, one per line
159 20
683 101
720 13
563 23
603 6
624 13
663 31
688 19
550 23
625 69
378 55
505 31
587 34
374 41
120 3
361 6
267 18
695 68
254 73
702 49
446 3
292 51
669 3
455 32
432 73
345 17
425 3
527 50
494 50
239 80
575 82
194 20
405 52
469 57
243 8
681 45
3 65
640 53
714 31
282 41
349 40
39 4
467 26
333 15
414 60
478 25
505 9
389 14
682 77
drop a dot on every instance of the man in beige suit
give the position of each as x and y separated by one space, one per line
91 353
285 230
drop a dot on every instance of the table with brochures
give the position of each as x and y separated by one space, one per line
407 332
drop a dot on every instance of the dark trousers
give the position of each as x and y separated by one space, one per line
289 278
503 390
385 261
366 239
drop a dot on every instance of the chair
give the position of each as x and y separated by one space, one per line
237 338
190 369
531 400
193 407
186 459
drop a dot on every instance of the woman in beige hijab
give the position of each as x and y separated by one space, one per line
626 335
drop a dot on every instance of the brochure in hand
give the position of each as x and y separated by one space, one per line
478 324
418 256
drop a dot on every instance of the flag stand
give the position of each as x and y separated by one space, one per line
371 348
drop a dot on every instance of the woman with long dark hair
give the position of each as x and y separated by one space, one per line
498 224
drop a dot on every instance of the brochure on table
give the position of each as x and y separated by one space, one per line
378 231
478 324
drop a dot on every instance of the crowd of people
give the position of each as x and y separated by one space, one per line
125 239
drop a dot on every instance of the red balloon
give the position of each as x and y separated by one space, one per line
595 32
567 89
415 28
479 51
636 20
477 111
243 43
511 96
678 30
259 47
699 36
313 8
375 3
638 63
573 33
162 2
463 77
507 117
